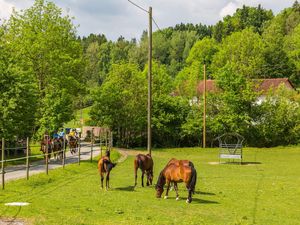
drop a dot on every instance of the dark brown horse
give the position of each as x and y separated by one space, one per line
145 163
104 167
57 149
177 171
73 145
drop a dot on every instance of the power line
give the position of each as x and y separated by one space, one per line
156 24
138 6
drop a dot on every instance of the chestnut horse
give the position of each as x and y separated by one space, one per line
46 146
104 167
177 171
145 163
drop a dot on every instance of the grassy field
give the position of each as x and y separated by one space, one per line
265 190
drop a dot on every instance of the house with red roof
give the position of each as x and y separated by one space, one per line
261 85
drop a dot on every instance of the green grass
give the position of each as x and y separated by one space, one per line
76 121
265 191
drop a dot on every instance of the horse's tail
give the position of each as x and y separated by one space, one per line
193 180
191 164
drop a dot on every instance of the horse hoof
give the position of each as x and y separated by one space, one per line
177 198
166 197
188 201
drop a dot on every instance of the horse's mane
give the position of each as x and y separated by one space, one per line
161 180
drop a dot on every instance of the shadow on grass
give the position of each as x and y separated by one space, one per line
128 188
204 193
203 201
243 163
195 200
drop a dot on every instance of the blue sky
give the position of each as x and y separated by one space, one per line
118 17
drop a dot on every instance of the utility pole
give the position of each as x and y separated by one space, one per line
149 82
149 114
204 107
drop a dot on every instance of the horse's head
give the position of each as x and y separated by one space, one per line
159 187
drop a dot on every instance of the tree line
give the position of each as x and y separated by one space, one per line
47 72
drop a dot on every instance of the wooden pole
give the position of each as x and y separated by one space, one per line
204 107
100 138
106 146
47 166
2 164
92 145
111 139
149 83
79 149
27 158
64 149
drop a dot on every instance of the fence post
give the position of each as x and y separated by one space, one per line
79 148
47 166
27 158
2 164
111 140
106 146
92 140
64 149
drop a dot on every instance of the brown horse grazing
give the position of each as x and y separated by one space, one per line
104 167
176 162
145 163
177 172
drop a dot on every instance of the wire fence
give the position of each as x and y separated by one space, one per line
53 158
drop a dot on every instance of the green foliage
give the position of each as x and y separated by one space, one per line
277 119
291 47
43 44
245 17
120 103
277 62
243 51
18 97
187 79
234 104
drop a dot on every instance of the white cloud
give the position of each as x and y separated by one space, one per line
229 9
118 17
5 9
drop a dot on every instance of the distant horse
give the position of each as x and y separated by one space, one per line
145 163
73 145
177 172
57 149
44 144
104 167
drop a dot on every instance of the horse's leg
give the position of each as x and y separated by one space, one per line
107 180
143 172
189 199
176 189
147 176
102 178
168 187
135 172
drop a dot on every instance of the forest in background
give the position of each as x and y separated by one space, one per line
48 72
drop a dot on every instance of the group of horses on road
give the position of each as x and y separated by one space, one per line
57 145
176 171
